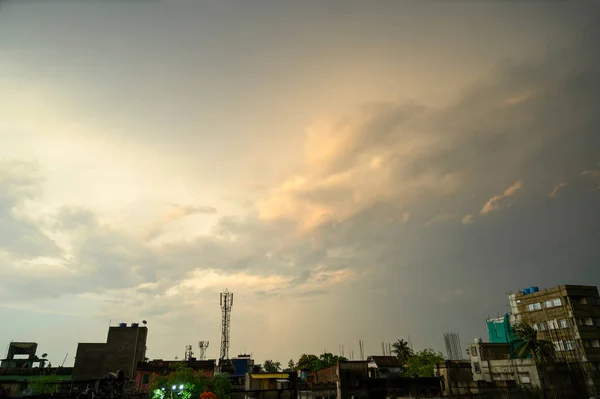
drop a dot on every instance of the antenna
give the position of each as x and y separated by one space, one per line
362 351
65 359
188 353
226 301
203 346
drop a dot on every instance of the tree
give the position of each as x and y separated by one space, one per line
402 351
258 368
528 345
272 366
307 362
220 384
328 360
186 381
291 365
422 363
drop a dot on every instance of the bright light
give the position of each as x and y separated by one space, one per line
181 386
173 387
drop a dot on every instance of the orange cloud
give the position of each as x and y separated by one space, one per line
556 188
494 202
468 219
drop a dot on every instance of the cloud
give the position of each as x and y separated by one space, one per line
468 219
175 213
20 234
494 203
440 218
556 189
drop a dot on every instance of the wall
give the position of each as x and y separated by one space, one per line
97 360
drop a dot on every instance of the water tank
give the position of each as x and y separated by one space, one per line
526 291
135 324
534 289
122 325
478 340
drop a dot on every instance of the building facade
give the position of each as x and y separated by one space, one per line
493 362
146 371
125 347
569 317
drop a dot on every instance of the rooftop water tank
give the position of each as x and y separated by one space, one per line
526 291
534 289
122 325
478 340
135 324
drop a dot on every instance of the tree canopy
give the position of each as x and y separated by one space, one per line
422 363
189 384
272 366
315 363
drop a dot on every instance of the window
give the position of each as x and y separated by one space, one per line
589 321
597 321
549 303
524 378
583 300
477 368
553 324
557 302
146 378
534 306
473 351
558 346
564 323
580 321
594 343
593 300
569 345
542 326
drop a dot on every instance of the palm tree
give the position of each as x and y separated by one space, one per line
540 350
402 351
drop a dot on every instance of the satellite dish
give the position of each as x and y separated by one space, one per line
144 322
45 355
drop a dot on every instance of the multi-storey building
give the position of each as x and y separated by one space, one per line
569 317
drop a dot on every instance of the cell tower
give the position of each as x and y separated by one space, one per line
189 355
203 345
226 304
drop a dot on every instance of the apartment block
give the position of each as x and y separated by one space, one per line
569 317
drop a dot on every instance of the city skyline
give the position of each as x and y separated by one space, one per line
349 170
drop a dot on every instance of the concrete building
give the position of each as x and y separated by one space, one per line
383 366
22 355
492 362
569 317
125 347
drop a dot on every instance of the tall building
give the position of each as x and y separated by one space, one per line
569 317
125 347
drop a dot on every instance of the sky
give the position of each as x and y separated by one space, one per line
350 170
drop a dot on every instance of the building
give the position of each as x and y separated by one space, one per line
493 362
241 365
383 366
146 371
569 317
23 373
125 347
27 349
456 377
